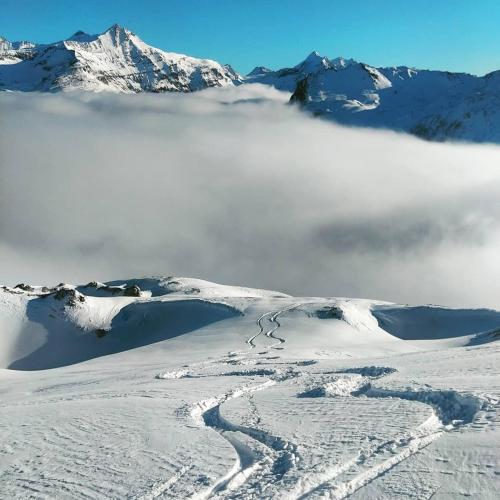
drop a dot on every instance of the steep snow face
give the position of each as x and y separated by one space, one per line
117 60
433 105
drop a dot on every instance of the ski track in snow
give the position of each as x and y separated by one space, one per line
272 316
267 458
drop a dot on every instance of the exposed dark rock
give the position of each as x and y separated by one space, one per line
26 288
72 296
101 332
330 312
132 291
301 94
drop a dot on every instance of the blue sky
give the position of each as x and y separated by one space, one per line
458 35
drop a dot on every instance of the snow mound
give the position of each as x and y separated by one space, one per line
340 387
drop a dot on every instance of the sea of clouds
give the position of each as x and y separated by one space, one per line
236 186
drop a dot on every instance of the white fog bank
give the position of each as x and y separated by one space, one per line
235 186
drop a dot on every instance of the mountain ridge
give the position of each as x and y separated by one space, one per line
115 60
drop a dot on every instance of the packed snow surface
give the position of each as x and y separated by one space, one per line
179 388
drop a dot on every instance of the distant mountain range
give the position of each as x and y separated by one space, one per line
436 105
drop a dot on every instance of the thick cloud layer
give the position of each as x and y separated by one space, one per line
235 186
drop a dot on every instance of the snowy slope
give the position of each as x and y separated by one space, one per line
116 60
189 389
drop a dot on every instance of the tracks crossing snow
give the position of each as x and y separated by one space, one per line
263 459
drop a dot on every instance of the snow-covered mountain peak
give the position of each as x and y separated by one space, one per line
119 35
313 62
313 57
259 70
8 45
81 36
114 37
14 52
341 62
288 78
116 60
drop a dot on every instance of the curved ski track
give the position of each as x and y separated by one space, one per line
272 316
